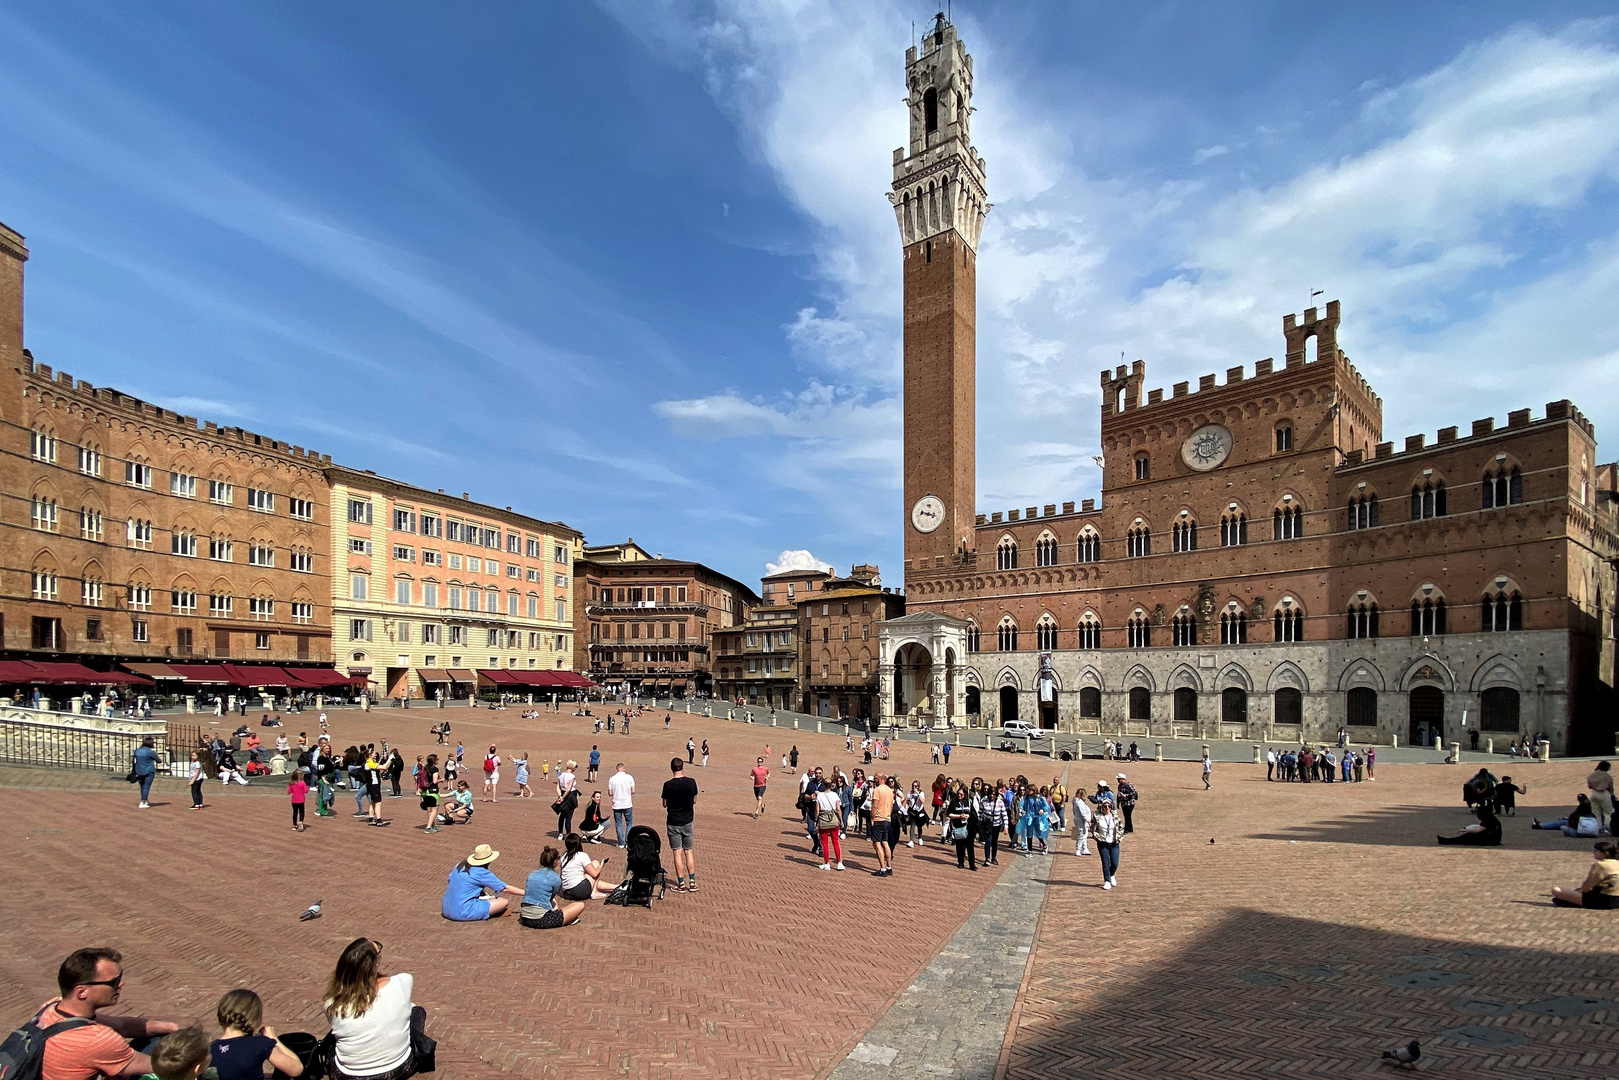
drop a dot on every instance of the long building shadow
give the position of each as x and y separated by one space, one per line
1263 995
1417 826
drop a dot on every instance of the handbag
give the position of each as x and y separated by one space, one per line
958 832
424 1051
827 820
133 777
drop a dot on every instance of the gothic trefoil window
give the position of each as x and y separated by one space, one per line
1006 554
1503 487
1428 500
1502 610
1363 512
1233 529
1183 535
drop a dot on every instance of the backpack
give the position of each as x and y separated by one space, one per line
22 1055
488 764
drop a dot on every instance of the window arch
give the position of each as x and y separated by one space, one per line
1185 711
1362 707
1140 703
1006 635
1288 706
1143 466
1138 541
1233 626
973 637
1183 628
1284 436
1090 631
1090 545
1045 633
1503 486
1502 609
42 442
1233 705
1139 630
1183 534
1362 619
1427 612
1090 702
1288 621
1287 520
1233 527
1006 554
1045 550
1427 499
1363 511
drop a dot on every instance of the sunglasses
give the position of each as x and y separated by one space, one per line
114 982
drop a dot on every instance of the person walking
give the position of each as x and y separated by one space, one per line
1082 824
1127 796
1059 803
945 750
196 778
959 820
705 753
145 770
991 815
1106 829
297 792
1371 763
396 769
491 775
521 765
1270 763
427 788
372 773
567 798
691 750
1208 768
680 803
760 774
621 786
595 765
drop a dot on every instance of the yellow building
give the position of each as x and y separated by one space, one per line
436 594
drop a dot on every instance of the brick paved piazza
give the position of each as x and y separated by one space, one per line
1321 927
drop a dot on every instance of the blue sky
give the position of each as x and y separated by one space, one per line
630 265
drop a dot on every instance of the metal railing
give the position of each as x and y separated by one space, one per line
63 747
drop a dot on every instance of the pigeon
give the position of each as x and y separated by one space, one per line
1405 1055
310 912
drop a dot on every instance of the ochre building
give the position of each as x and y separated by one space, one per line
1261 562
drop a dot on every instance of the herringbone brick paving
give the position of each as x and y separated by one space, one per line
772 970
1321 927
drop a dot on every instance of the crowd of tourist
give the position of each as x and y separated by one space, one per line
1321 765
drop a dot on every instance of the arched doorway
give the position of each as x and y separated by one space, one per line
1427 715
1233 705
913 682
1185 705
973 706
1288 707
1140 703
1090 702
1008 704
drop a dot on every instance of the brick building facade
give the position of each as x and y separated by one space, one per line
132 533
645 624
1261 562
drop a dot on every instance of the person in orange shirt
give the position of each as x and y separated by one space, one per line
88 1045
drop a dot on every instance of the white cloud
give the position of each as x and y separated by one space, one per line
798 559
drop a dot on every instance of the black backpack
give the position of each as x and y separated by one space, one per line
22 1055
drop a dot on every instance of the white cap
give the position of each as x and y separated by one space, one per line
1120 776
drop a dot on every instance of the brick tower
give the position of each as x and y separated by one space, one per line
939 201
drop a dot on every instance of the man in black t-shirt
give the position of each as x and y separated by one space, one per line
680 800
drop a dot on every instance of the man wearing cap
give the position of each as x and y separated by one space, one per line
465 898
1127 801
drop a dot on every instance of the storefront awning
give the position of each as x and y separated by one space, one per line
462 675
433 675
317 678
497 677
155 671
209 674
60 673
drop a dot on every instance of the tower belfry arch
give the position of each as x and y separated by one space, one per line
939 201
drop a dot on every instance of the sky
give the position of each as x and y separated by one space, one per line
630 265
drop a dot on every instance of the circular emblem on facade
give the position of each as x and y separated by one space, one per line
1207 447
927 514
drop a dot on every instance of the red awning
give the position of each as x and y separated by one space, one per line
203 673
154 671
573 680
65 674
499 676
19 671
320 678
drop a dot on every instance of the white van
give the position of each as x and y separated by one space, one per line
1020 729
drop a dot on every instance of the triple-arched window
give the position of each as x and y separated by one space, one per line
1362 619
1006 635
1139 631
1233 528
1363 512
1045 634
1502 610
1184 535
973 637
1233 628
1427 499
1288 624
1045 550
1090 632
1427 616
1138 541
1006 554
1183 629
1287 522
1503 487
1090 546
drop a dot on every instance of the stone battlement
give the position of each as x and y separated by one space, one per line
1447 437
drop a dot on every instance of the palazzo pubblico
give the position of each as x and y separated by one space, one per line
1261 563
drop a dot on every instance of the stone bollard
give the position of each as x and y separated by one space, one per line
1257 758
1394 741
772 719
76 704
927 736
795 723
1455 757
1543 750
1158 751
191 704
1027 749
1489 746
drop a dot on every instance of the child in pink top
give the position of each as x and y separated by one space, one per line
296 792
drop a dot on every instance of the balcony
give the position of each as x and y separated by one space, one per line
646 609
649 645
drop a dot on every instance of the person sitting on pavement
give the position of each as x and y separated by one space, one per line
245 1042
543 906
1486 833
472 892
181 1055
88 1043
371 1014
581 875
1581 822
1600 889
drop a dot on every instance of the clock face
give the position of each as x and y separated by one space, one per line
1207 447
927 514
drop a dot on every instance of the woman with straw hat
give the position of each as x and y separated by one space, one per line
474 893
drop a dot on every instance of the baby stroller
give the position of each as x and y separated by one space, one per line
643 868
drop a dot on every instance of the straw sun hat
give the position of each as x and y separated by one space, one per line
482 855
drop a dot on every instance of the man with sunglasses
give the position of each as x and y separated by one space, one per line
94 1046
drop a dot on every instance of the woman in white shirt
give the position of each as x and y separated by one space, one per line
580 873
371 1016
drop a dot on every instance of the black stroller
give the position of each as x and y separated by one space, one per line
643 869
